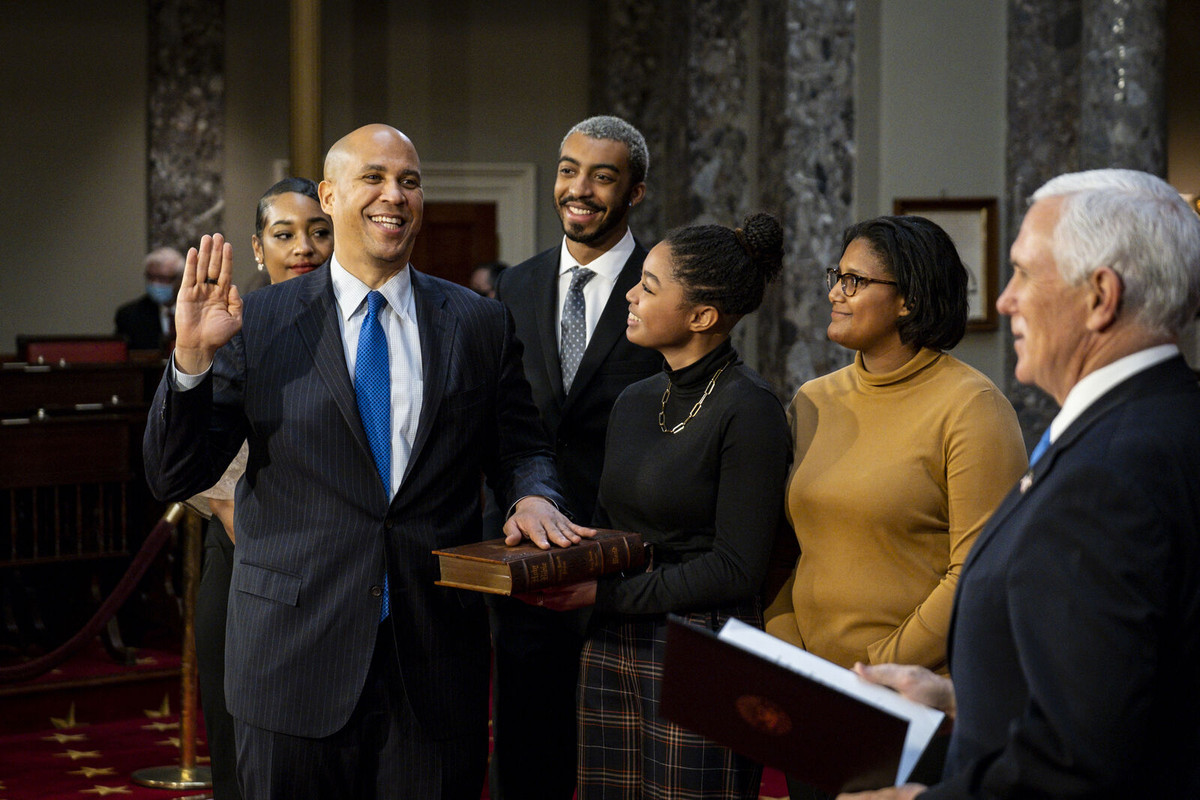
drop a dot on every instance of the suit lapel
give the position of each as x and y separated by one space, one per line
321 333
436 329
545 309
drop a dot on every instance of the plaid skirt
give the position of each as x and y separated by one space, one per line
626 750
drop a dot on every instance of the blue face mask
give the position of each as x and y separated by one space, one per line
161 293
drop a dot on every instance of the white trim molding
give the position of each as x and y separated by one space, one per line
512 187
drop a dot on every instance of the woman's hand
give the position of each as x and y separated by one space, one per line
562 598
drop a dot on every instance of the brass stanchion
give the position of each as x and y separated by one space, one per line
185 774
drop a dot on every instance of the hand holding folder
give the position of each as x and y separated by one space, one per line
791 710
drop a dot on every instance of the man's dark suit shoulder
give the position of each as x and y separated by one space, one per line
139 321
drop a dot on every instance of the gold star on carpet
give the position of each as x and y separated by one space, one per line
173 741
63 738
161 726
92 772
68 722
75 755
104 791
163 710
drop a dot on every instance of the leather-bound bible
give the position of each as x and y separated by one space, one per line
495 568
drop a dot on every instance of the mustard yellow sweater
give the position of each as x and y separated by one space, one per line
894 476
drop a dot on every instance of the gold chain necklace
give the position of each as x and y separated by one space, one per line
662 414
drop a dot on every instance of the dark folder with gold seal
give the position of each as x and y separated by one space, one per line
791 710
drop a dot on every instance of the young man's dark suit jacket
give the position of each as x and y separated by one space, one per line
141 322
1075 641
529 638
315 527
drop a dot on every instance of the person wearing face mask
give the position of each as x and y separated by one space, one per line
146 322
292 237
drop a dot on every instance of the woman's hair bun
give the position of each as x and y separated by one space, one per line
762 237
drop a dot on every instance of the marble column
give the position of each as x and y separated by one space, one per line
1044 55
807 173
1086 89
186 89
1123 120
745 106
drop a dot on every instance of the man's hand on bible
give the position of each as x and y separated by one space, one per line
538 520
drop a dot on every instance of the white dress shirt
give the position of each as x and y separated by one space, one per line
1095 385
596 291
399 321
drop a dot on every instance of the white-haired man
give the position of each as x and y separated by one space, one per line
1076 633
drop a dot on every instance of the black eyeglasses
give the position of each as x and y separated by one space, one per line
850 282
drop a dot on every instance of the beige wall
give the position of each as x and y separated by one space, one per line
484 84
490 82
931 116
72 165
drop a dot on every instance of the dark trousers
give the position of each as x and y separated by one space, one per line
382 752
212 605
536 669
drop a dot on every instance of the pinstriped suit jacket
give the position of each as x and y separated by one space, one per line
313 523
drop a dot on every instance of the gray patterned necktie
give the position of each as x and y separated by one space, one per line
573 336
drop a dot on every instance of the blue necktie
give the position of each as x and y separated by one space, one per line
373 385
1042 446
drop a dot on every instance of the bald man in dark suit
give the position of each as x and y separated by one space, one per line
372 396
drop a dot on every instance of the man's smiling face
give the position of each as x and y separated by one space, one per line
593 191
372 191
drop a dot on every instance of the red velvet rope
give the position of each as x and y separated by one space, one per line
129 581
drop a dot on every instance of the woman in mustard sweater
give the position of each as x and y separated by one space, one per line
899 458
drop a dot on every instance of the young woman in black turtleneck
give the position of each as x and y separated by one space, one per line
695 461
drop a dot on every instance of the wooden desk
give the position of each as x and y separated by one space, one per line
72 488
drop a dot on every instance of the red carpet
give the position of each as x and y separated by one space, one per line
84 729
73 758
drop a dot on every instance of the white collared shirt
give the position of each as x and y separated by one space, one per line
399 321
596 291
1096 384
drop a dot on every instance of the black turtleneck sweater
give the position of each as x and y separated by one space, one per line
709 498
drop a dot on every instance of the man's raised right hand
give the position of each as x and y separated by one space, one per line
208 311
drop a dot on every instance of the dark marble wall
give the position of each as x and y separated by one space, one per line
1123 115
1085 90
746 106
186 120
